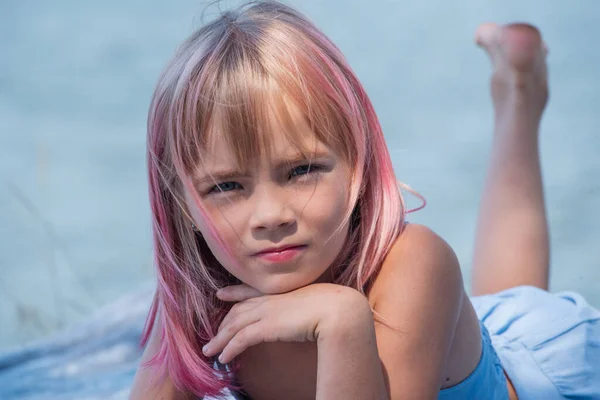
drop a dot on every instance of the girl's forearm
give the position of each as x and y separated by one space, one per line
349 366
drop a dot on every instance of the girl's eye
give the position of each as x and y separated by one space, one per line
225 187
303 170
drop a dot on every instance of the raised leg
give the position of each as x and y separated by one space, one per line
512 240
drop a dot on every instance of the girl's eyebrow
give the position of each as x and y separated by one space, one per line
221 176
281 163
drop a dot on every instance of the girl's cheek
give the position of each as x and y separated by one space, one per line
228 257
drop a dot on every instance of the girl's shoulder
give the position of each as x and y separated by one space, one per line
417 255
420 298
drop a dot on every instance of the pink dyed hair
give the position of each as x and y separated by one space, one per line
227 71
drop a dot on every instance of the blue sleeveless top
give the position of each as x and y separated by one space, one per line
487 381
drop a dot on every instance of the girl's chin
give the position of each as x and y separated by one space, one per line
283 284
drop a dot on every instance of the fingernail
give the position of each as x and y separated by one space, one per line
205 349
221 358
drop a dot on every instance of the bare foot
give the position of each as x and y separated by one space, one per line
520 77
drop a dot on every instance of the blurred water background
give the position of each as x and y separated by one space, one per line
75 82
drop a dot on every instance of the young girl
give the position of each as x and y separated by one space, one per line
286 269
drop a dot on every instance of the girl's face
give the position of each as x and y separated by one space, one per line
284 221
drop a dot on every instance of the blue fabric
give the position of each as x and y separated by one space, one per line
93 360
487 381
548 344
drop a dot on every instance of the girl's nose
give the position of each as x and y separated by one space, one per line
272 210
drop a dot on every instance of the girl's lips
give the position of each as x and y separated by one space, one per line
281 255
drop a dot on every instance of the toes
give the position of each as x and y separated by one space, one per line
524 29
516 45
523 36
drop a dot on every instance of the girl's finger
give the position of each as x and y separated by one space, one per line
228 330
238 309
249 336
237 293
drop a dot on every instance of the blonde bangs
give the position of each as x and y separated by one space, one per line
253 89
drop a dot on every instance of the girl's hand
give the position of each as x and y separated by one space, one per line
298 316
